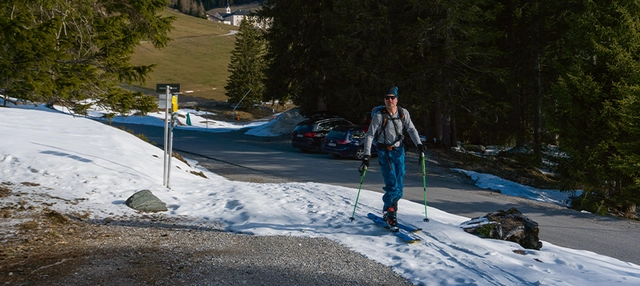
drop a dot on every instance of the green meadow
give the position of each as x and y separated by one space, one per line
197 57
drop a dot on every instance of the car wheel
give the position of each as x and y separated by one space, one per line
359 153
336 156
304 150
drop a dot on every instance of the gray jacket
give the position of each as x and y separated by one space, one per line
393 130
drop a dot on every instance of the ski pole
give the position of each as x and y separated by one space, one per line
364 171
424 184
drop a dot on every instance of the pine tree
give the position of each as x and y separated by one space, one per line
301 66
201 12
449 55
598 93
72 52
193 8
247 66
184 6
533 31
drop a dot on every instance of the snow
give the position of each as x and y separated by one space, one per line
492 182
84 166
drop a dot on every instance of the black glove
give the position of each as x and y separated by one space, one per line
365 164
421 148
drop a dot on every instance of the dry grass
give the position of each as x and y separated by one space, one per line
4 191
197 58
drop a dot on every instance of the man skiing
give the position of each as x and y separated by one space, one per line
386 131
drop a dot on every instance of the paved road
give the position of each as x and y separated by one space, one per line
234 154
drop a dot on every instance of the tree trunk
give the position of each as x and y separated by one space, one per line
446 130
454 132
437 122
321 104
428 127
537 116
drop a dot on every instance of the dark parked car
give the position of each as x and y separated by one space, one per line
347 141
308 134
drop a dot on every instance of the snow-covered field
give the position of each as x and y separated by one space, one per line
98 167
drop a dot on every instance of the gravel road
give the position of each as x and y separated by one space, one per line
44 247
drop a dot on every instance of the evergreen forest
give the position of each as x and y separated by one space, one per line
523 73
77 53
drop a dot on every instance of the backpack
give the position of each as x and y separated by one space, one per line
385 117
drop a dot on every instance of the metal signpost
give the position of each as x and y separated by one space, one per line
233 112
170 105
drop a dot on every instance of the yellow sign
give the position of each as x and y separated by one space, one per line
174 103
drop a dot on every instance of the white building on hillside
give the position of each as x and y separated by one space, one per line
228 17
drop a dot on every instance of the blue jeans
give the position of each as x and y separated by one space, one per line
392 169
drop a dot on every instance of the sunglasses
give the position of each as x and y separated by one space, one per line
389 97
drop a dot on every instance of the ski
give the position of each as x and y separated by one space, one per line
408 227
404 232
404 225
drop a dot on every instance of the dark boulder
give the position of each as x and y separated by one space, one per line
510 225
145 201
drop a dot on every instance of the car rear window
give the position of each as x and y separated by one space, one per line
357 134
302 128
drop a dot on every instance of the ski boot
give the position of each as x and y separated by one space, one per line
389 216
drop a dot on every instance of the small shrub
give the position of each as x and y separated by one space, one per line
30 184
140 136
145 139
590 202
485 230
179 157
201 174
56 217
29 225
4 191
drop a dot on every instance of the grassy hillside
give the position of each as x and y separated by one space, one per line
197 58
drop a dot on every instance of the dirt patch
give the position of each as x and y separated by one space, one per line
45 247
4 191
